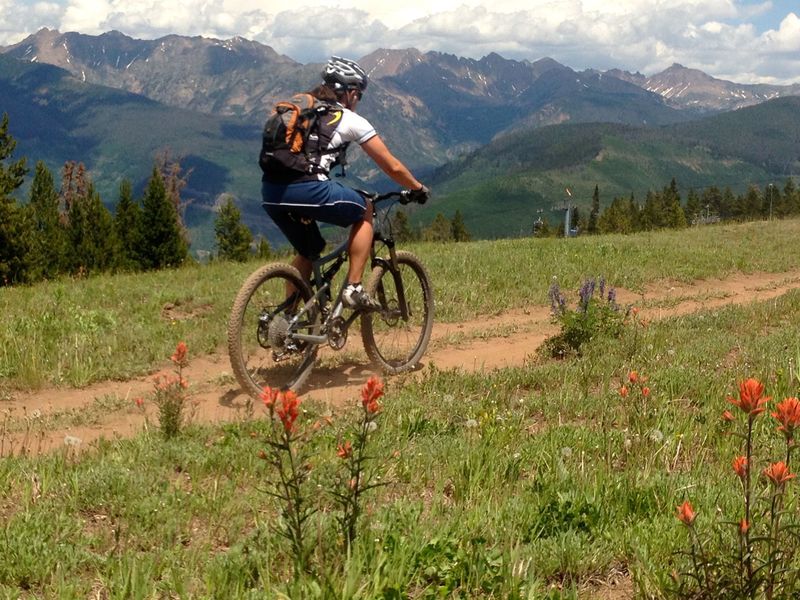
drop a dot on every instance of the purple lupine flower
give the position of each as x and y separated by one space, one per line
586 293
602 287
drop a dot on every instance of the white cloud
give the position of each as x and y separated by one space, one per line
787 38
718 36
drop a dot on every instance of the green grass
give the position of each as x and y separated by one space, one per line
504 484
522 483
75 332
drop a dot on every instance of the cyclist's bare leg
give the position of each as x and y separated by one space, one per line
302 264
360 245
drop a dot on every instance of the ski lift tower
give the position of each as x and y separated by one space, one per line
567 207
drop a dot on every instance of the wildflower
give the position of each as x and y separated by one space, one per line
788 414
751 397
778 473
686 514
633 377
269 396
744 526
370 393
139 402
740 466
345 451
645 391
623 391
287 411
586 292
262 454
180 357
727 416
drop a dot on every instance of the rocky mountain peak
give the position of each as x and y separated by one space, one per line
390 63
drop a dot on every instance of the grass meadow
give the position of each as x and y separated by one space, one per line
531 482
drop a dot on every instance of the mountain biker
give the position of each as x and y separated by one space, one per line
296 201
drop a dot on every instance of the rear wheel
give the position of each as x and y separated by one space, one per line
396 336
261 350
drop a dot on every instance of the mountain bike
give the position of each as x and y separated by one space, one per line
279 321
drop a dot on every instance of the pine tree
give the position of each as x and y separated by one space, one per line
14 226
616 218
792 196
594 214
752 203
128 228
458 229
729 206
174 181
233 236
693 209
542 228
163 244
438 231
674 217
401 230
48 235
91 235
263 250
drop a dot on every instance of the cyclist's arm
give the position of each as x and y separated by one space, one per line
377 151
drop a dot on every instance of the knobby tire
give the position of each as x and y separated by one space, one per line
393 343
254 365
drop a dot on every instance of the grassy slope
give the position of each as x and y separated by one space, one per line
502 483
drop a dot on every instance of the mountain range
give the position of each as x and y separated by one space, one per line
112 101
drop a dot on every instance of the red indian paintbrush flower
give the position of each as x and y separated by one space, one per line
370 393
345 451
778 473
788 414
287 411
269 396
623 391
727 415
744 526
751 397
686 514
645 391
740 466
633 377
180 357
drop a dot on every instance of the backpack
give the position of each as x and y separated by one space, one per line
294 137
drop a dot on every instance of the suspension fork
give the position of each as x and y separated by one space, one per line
392 266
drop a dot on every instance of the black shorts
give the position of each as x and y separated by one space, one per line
297 207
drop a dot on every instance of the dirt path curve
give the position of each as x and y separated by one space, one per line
53 418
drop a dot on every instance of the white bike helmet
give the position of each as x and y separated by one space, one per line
344 74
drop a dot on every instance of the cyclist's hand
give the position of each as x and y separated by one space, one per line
419 196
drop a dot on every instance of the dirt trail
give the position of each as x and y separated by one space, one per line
54 418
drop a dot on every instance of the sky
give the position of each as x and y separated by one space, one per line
746 41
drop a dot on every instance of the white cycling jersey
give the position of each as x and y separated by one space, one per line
351 128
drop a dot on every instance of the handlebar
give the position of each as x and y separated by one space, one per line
403 196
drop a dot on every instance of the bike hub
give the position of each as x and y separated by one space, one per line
337 333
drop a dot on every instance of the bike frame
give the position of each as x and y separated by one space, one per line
325 268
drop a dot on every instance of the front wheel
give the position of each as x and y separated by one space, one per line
396 336
260 344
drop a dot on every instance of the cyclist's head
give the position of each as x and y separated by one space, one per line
344 75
